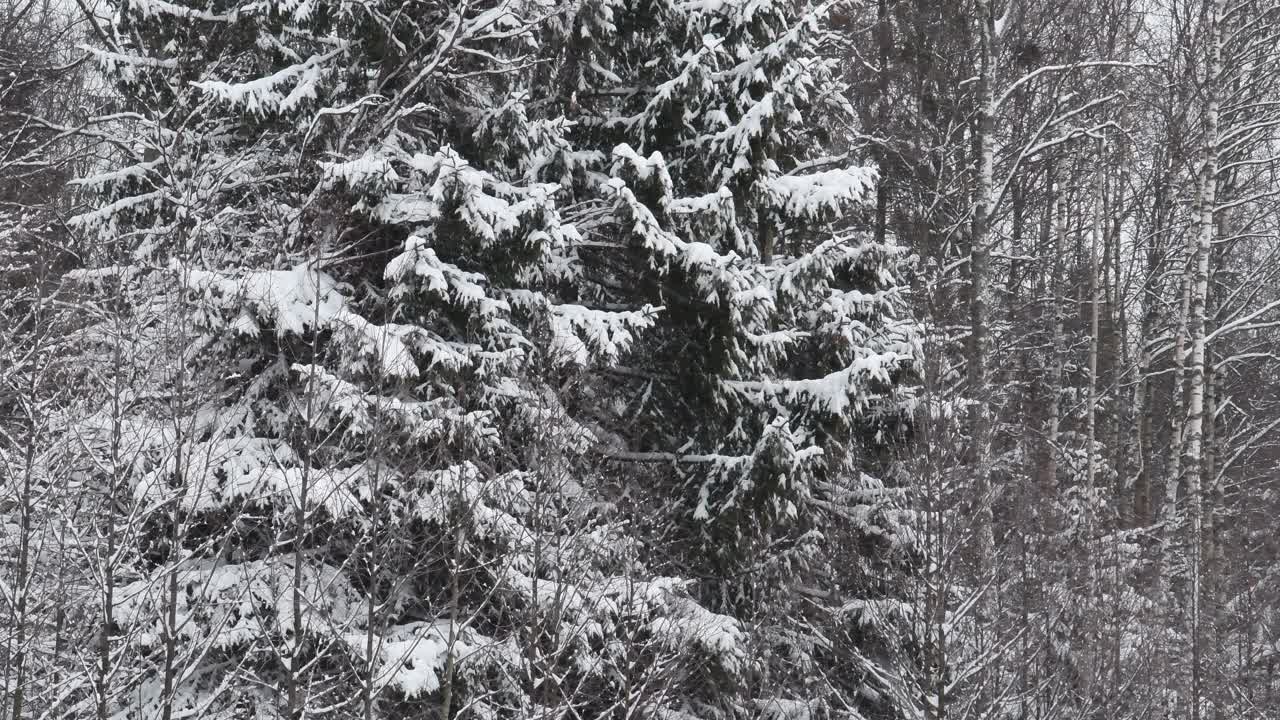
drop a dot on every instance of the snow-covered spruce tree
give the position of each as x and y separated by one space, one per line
725 195
354 488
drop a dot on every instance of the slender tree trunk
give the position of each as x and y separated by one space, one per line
297 629
171 590
1058 213
178 407
1177 419
982 413
1091 419
1193 458
1143 427
116 479
375 530
375 580
884 42
979 271
301 518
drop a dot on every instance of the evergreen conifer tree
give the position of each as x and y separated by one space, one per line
777 369
386 267
342 446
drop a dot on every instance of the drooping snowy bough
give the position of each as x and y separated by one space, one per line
408 295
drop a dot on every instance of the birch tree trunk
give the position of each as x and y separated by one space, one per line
1193 456
981 413
979 272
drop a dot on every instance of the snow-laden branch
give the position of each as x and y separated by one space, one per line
1239 323
1017 84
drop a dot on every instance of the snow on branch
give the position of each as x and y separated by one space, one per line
226 603
581 335
295 301
834 394
828 191
263 96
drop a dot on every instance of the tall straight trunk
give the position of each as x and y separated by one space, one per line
103 670
179 407
1199 285
293 679
1151 302
1211 549
981 414
301 517
368 687
979 281
1058 214
1193 457
170 625
1117 353
1177 418
1214 562
1091 419
374 622
884 40
1142 427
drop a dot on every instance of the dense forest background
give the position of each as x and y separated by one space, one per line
614 359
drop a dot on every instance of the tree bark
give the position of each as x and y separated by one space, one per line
1193 457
